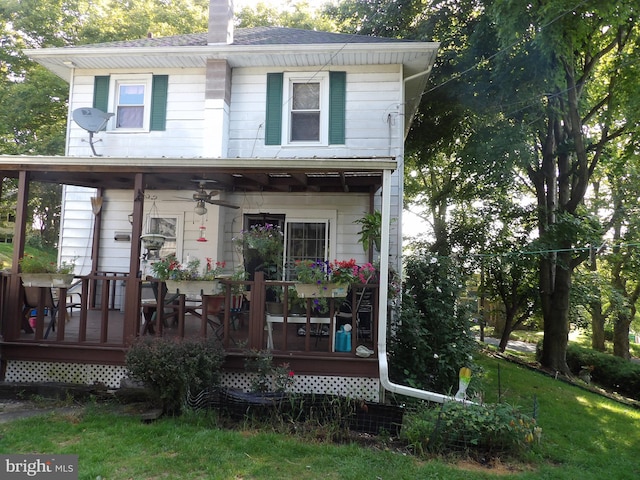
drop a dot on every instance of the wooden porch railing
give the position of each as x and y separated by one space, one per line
102 321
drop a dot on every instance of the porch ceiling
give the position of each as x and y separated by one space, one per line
356 175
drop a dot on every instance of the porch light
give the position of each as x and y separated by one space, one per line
152 239
200 208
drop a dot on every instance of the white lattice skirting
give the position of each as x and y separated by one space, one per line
110 375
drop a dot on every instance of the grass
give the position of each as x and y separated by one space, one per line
584 436
6 254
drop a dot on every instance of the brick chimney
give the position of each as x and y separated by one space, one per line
220 21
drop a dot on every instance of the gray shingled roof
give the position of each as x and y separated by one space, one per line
250 36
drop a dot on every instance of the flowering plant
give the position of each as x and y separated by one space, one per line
266 238
169 268
268 377
338 271
40 264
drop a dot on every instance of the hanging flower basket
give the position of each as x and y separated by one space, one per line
314 290
193 287
152 241
58 280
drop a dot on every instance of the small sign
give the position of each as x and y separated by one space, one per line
50 467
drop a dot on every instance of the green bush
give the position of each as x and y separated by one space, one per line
610 372
479 430
433 340
172 367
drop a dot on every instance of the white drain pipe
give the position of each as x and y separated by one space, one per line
382 318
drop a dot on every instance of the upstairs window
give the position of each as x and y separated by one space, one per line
304 122
138 102
130 105
305 109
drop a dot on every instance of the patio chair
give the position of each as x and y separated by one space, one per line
31 302
74 296
150 309
215 310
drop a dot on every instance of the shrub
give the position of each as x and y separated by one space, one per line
470 428
610 372
433 340
171 367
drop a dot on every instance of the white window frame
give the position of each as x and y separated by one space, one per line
168 249
329 217
292 78
145 80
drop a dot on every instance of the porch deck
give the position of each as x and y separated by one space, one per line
96 331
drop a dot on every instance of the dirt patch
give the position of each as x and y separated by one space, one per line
494 466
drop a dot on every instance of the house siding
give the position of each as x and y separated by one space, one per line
372 112
77 225
372 95
184 130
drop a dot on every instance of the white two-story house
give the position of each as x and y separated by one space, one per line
208 134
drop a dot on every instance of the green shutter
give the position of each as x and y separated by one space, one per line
337 102
101 93
159 102
273 127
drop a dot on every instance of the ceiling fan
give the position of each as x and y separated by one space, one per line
202 197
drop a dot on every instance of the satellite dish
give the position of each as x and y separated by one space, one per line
92 120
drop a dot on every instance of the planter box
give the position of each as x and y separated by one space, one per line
57 280
312 290
193 287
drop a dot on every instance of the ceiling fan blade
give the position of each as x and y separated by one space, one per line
222 203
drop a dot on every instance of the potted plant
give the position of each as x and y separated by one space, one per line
189 279
40 272
327 279
371 230
262 247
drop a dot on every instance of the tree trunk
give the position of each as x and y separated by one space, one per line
506 334
621 336
556 317
597 325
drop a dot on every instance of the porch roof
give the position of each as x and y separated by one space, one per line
228 174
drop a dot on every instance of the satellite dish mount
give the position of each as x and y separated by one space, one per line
92 120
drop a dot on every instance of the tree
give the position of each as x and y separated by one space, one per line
34 102
563 67
291 15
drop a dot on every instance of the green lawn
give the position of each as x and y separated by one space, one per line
6 254
584 436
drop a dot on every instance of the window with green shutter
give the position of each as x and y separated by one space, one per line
139 102
305 108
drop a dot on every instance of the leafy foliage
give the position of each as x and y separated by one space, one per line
171 367
475 429
606 370
433 340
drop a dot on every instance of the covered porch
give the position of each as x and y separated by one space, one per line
99 330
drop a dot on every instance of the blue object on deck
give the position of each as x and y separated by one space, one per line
343 340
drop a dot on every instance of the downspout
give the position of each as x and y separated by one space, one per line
382 321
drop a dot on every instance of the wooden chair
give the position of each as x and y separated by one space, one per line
168 311
32 301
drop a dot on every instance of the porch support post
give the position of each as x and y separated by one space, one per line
132 291
97 228
13 319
